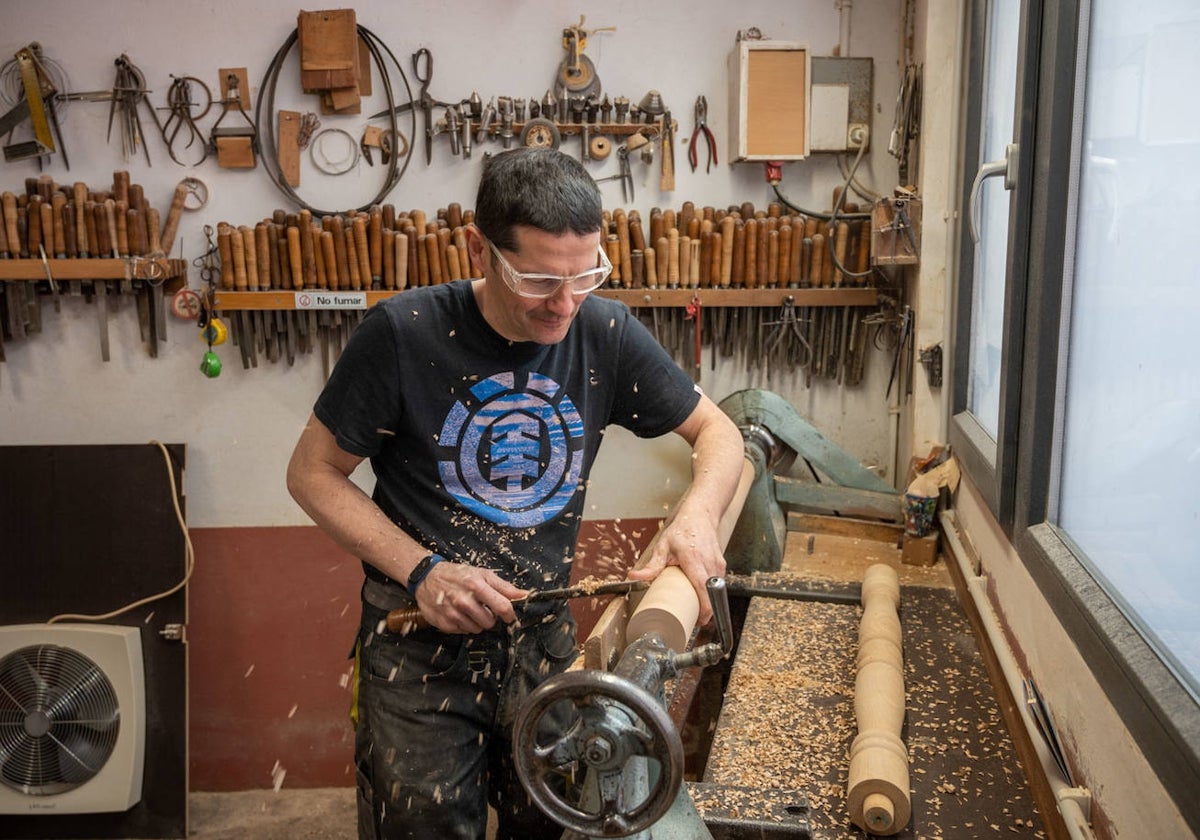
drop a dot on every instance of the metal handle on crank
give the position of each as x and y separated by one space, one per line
712 652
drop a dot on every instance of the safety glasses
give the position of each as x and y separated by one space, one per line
547 285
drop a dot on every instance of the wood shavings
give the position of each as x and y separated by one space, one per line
787 719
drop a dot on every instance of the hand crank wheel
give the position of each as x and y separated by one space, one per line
615 720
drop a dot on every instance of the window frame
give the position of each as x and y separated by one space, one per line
992 465
1017 482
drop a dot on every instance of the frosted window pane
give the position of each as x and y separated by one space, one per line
987 295
1130 483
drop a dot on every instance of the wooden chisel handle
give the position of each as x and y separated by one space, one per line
250 254
816 272
612 249
262 253
225 251
375 245
453 263
47 213
171 225
714 259
355 281
237 250
308 258
80 191
651 260
153 231
362 249
67 219
9 202
135 226
401 261
728 223
444 242
342 275
622 221
110 216
33 225
120 208
737 271
772 274
662 258
672 258
295 257
841 238
637 236
751 270
89 224
315 233
100 219
432 257
785 255
388 238
121 186
329 255
58 203
687 266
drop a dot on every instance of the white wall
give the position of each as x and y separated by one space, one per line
240 427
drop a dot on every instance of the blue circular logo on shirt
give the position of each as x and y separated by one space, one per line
517 453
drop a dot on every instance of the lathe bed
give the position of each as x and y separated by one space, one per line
773 761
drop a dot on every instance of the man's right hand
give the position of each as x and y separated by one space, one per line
456 598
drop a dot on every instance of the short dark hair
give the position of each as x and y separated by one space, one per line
536 187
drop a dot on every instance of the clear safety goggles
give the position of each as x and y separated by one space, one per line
547 285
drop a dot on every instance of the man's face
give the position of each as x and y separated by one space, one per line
541 320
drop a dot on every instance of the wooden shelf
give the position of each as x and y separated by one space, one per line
634 298
84 269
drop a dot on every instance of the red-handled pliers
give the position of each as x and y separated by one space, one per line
702 128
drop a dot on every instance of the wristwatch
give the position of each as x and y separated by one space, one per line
421 570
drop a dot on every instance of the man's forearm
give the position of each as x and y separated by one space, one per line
349 516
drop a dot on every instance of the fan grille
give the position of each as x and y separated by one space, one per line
59 719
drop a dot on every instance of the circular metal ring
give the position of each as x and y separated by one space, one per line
541 133
195 189
330 167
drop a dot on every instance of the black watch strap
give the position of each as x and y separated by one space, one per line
421 570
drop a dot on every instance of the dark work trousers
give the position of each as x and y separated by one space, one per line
435 714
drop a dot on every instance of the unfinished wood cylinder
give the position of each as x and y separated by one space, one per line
669 607
878 792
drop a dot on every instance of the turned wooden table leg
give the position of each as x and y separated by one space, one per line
878 798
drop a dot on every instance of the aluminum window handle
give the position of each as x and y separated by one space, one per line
1007 168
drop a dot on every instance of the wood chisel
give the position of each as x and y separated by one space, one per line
410 618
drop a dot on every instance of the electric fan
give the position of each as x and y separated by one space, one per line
72 718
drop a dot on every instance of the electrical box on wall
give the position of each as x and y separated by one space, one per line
769 100
840 97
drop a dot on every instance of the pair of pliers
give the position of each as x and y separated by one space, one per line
702 129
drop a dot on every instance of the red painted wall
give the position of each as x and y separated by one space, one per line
272 616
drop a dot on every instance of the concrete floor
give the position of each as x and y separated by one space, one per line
301 814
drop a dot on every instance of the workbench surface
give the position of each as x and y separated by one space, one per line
787 719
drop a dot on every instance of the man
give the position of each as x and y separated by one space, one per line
481 405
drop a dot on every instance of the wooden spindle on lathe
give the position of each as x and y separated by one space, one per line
877 789
671 606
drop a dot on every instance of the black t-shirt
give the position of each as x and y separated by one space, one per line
482 447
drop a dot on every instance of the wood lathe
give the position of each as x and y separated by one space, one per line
818 709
